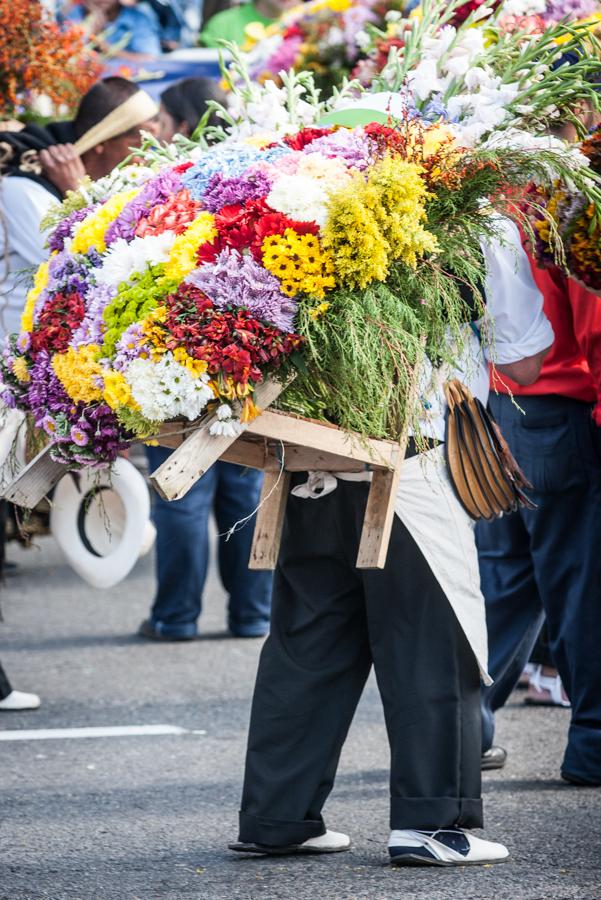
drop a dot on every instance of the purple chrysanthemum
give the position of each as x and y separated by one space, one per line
130 346
64 229
356 150
222 191
92 328
573 10
45 393
154 192
236 280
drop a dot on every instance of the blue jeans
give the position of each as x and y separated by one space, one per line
182 551
548 562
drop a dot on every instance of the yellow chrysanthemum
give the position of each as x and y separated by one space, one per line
21 369
79 373
195 367
182 258
318 311
373 222
117 391
299 263
90 232
40 280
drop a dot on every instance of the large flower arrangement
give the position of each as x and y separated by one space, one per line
176 286
43 69
322 37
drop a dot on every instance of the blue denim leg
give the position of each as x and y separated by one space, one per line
514 611
559 449
182 551
238 492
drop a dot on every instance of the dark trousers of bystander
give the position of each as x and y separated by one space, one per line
548 561
330 623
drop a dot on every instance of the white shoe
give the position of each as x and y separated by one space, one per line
445 847
17 700
330 842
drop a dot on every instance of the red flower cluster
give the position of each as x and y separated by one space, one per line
386 138
246 226
230 341
175 215
300 140
59 318
463 11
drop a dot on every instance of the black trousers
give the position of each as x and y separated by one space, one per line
330 623
5 686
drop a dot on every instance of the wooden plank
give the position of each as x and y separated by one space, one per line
252 454
304 459
270 520
35 480
290 430
174 478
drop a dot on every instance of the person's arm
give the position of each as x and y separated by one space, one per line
517 334
586 316
25 203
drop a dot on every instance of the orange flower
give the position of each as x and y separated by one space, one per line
38 57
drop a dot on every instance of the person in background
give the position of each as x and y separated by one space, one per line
547 561
171 21
184 104
107 125
231 24
133 27
231 493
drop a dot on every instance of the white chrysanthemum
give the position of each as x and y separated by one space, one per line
227 428
124 259
300 197
224 411
165 389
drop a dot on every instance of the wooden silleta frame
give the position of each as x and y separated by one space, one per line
277 443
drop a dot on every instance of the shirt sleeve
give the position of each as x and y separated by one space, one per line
586 318
515 326
25 204
145 32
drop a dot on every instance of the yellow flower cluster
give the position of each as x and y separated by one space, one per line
299 263
79 373
153 331
318 311
21 369
585 244
90 233
117 391
40 281
371 223
182 258
195 367
544 225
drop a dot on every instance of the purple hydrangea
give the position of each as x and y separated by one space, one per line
64 229
154 192
222 191
236 280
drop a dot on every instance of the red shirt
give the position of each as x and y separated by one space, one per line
573 366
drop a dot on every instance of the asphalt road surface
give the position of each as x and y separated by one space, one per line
149 815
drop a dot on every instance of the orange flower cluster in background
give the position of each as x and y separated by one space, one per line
38 58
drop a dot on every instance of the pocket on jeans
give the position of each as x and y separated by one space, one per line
546 449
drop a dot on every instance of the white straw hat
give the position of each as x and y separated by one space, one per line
101 522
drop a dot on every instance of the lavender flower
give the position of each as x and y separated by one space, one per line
222 191
235 280
64 229
573 10
79 436
131 345
154 192
355 149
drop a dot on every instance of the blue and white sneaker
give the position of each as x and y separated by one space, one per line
445 847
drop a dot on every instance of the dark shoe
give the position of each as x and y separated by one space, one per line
495 758
156 632
330 842
579 782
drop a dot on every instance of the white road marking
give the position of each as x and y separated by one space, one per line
53 734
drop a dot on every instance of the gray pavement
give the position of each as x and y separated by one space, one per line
149 817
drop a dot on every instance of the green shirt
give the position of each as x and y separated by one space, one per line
229 25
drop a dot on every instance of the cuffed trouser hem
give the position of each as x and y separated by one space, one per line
278 833
437 812
583 754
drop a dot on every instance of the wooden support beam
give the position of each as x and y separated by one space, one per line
270 520
174 478
35 481
326 439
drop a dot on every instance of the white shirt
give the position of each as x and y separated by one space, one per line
23 205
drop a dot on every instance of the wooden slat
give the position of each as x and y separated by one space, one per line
270 520
174 478
304 459
290 430
35 480
252 454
